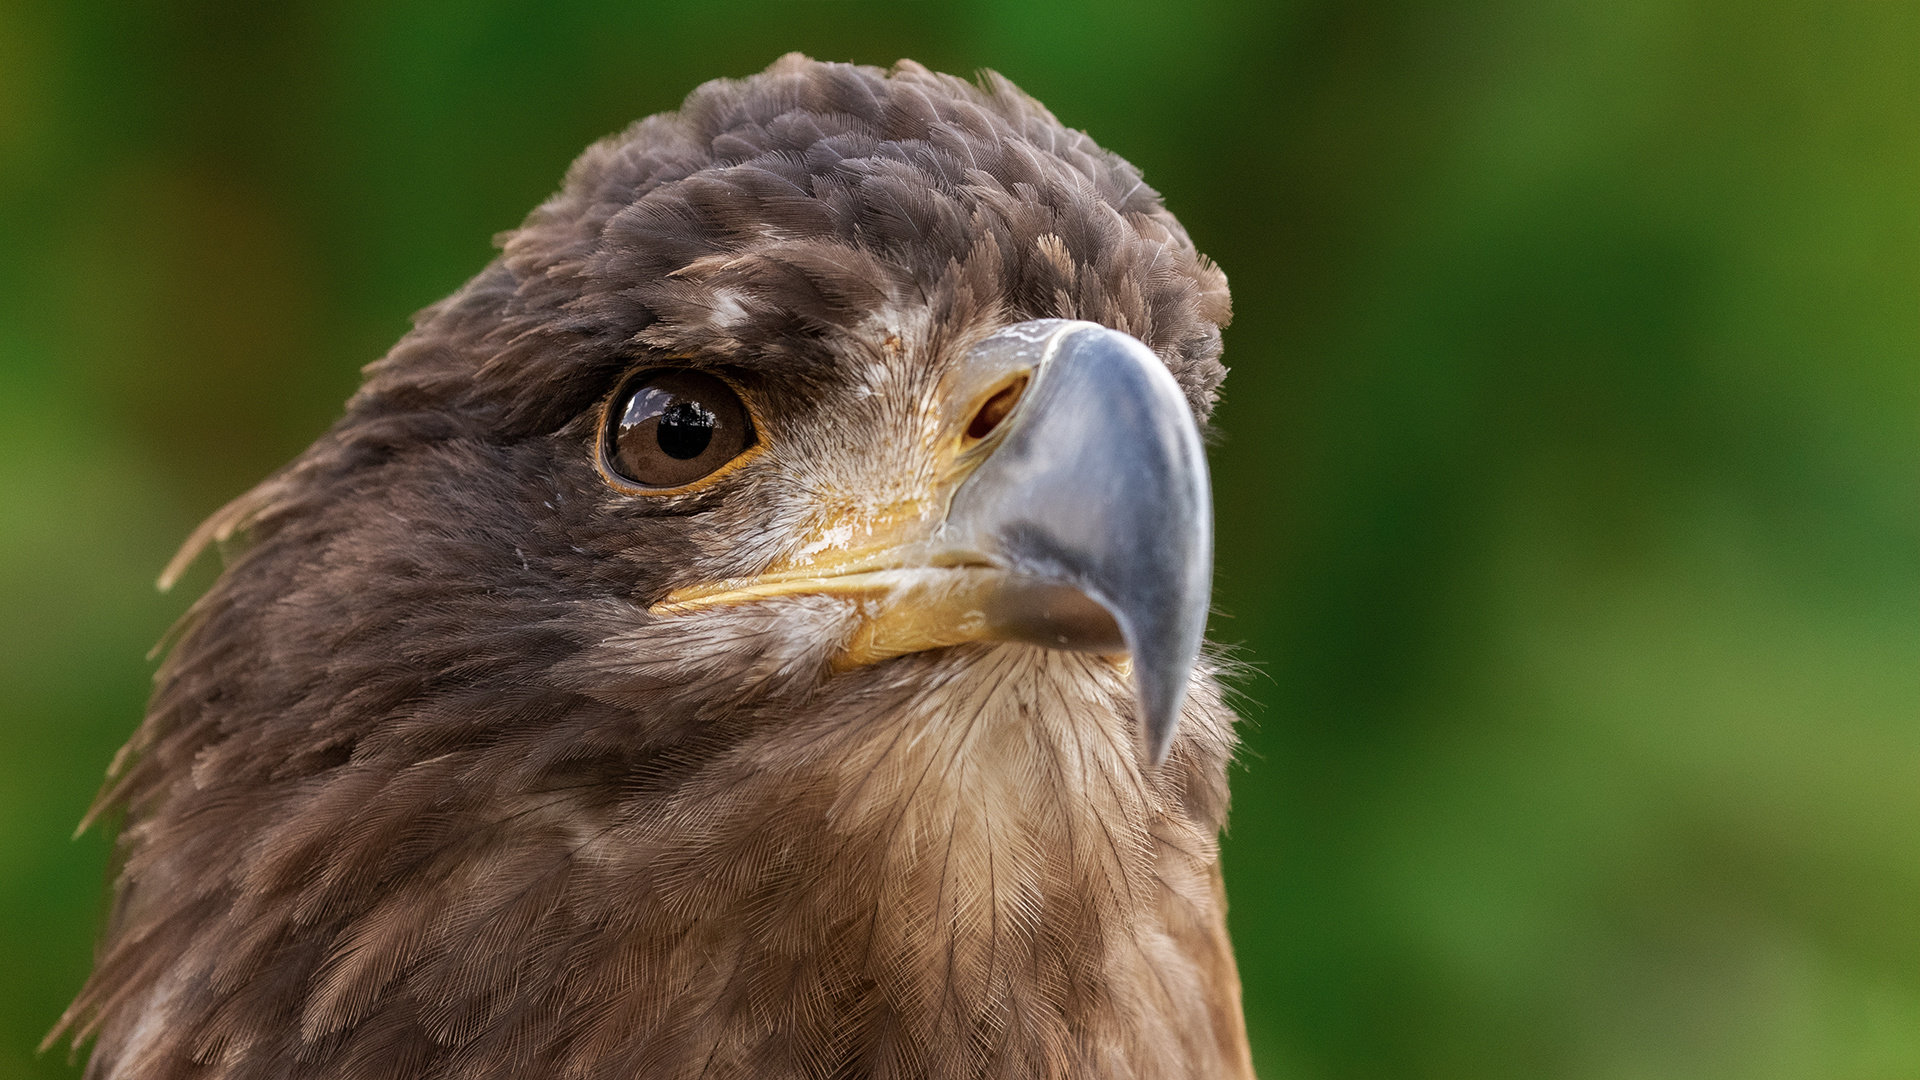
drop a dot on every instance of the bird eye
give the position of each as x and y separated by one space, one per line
669 428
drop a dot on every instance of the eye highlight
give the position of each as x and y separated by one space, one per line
668 428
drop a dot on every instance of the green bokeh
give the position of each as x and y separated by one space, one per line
1569 495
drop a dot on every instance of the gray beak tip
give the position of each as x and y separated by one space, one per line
1157 726
1160 677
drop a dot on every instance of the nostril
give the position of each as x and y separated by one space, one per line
996 409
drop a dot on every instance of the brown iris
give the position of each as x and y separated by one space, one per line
669 428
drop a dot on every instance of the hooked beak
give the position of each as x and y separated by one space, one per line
1082 520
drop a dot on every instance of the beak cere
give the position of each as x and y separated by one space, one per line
1084 522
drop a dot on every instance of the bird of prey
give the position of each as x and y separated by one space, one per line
752 629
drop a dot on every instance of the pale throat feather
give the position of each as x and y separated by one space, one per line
966 847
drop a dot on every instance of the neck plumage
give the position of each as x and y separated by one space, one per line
973 879
951 866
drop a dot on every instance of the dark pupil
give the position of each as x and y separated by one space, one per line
685 430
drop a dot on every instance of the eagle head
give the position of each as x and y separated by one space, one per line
750 630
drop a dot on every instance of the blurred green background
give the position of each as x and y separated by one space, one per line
1569 499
